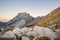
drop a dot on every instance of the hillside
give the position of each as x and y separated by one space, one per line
50 19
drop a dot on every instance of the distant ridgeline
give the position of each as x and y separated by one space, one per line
25 20
2 24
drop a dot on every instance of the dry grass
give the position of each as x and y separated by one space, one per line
43 38
54 14
6 39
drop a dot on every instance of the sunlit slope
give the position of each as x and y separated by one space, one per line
50 17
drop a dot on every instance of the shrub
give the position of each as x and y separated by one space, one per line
57 39
18 38
58 34
8 29
43 38
6 39
0 30
31 37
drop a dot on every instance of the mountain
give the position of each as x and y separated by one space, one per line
21 20
26 20
53 18
2 24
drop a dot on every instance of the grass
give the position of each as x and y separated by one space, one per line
54 14
43 38
31 37
6 39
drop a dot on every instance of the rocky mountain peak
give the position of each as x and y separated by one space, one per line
22 19
22 14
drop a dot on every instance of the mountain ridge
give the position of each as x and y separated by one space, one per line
25 19
50 17
21 20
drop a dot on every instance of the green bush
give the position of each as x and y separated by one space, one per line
58 36
8 29
0 30
57 39
6 39
31 37
43 38
18 38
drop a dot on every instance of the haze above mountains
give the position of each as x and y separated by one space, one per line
24 19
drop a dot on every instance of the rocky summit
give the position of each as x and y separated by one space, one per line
21 20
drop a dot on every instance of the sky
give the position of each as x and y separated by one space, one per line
10 8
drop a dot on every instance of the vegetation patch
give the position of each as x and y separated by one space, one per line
43 38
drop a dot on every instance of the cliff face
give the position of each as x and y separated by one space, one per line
50 19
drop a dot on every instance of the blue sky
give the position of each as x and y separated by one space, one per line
10 8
